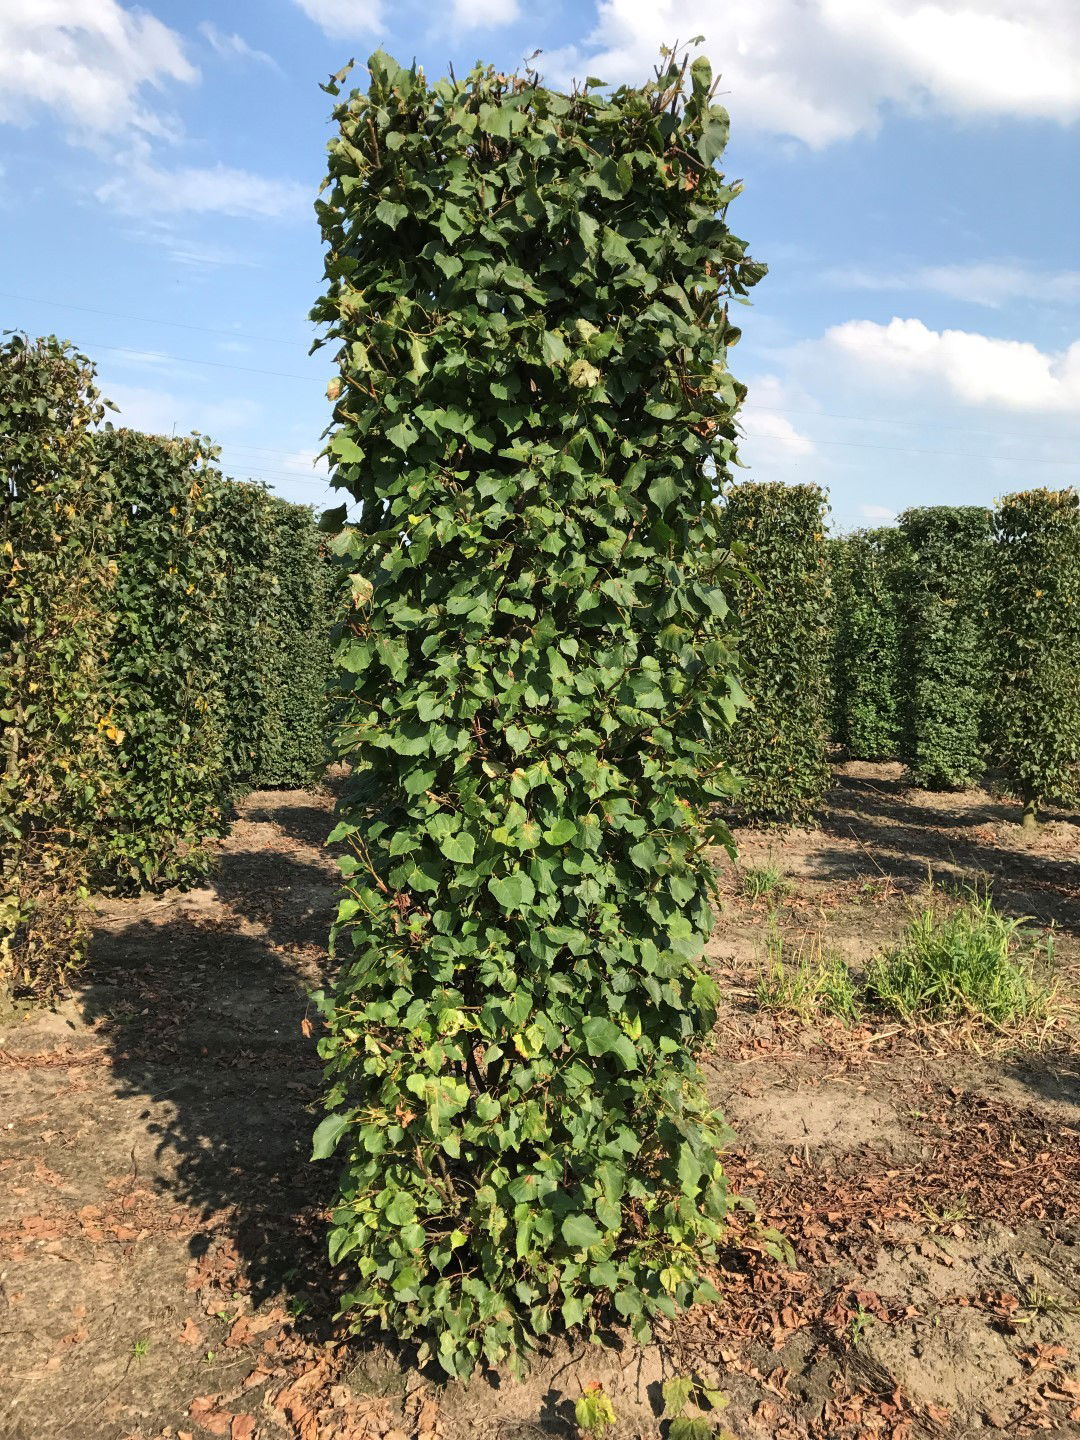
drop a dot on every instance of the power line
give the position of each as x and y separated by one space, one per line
186 360
148 319
272 340
918 450
263 449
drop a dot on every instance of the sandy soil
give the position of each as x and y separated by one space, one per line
161 1230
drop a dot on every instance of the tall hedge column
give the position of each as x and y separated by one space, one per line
165 669
528 292
946 665
868 579
56 735
779 748
1036 645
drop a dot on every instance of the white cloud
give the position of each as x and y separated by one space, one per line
234 47
95 62
195 253
770 441
825 70
163 412
366 17
976 369
344 17
90 61
901 414
477 14
989 283
306 463
142 187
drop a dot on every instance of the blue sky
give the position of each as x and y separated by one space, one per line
912 174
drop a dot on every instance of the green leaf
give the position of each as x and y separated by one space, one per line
402 1209
687 1428
662 491
676 1393
714 134
327 1134
603 1037
513 892
553 347
459 848
403 435
390 213
579 1232
346 449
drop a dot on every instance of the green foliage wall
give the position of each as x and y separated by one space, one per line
278 615
164 671
529 295
55 579
1036 645
869 572
293 749
946 661
217 668
155 659
779 745
244 518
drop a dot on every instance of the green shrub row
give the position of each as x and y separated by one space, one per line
278 613
1035 591
164 647
779 744
957 645
868 570
529 295
55 738
946 661
167 788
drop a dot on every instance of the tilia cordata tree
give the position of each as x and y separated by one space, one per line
529 292
1035 583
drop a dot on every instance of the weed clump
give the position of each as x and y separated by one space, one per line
757 881
813 981
969 961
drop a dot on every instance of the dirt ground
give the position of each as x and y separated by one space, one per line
162 1270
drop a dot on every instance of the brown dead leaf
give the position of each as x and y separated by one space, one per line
41 1227
240 1333
428 1417
207 1415
243 1428
190 1334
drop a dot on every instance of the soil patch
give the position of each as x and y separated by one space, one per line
162 1261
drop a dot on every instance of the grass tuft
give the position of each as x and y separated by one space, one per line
966 961
757 881
811 982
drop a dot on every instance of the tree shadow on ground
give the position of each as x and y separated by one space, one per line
304 820
904 840
290 898
1053 1077
204 1019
